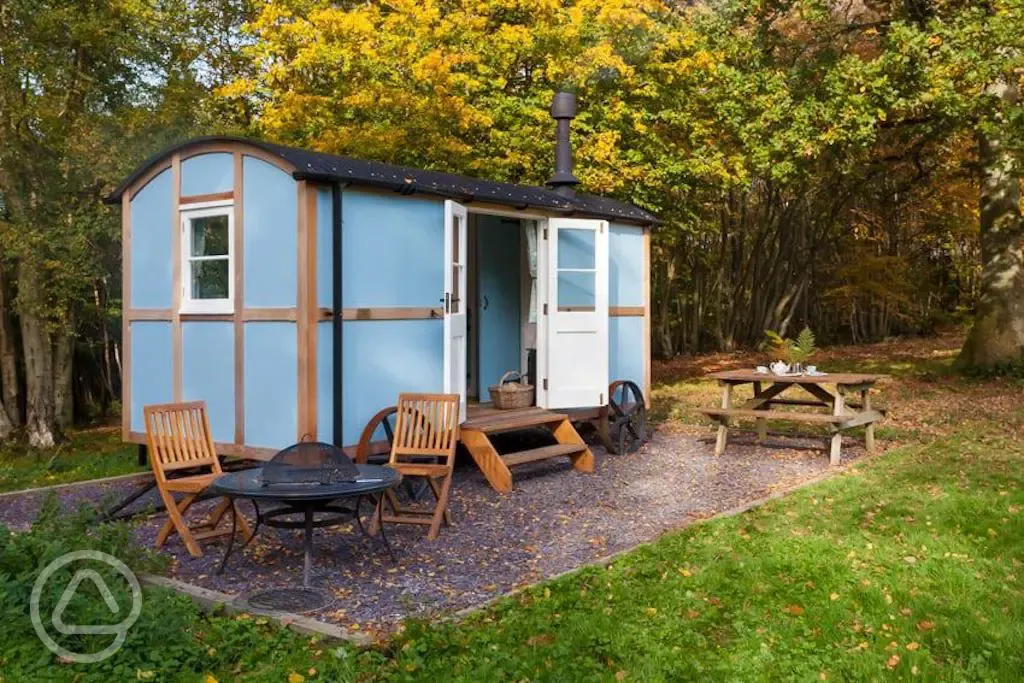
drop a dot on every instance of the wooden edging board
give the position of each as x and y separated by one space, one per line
212 601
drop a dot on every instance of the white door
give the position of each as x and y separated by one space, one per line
455 302
574 325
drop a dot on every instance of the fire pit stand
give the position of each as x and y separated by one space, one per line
307 494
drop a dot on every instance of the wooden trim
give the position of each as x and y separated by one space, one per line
206 317
176 352
627 311
391 313
126 297
232 449
257 153
310 314
238 250
148 314
209 148
283 315
144 180
301 303
645 273
213 197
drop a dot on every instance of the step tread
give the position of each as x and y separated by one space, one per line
542 453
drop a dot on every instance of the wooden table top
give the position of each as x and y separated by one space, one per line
742 376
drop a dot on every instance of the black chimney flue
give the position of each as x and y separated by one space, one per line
563 110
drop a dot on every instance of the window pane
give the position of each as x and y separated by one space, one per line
575 248
576 290
210 236
210 279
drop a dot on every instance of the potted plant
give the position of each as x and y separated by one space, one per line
795 352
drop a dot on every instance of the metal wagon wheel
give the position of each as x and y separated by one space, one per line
628 415
384 419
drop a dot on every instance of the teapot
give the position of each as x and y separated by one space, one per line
779 367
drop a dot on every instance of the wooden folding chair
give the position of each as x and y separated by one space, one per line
178 436
426 434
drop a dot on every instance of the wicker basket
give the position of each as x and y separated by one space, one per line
512 392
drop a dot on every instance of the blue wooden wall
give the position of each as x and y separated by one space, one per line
208 173
208 373
151 362
392 256
270 235
271 384
393 250
152 226
499 261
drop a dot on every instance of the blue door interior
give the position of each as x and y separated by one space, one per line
498 268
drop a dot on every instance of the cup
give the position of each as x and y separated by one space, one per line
812 369
762 369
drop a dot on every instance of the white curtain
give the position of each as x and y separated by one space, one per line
530 228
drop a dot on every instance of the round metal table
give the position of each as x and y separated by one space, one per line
315 503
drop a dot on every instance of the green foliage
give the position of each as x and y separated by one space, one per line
89 454
794 351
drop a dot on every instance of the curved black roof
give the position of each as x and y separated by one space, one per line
329 168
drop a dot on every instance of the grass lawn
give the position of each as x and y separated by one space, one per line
906 566
89 454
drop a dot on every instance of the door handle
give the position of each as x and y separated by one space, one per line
486 302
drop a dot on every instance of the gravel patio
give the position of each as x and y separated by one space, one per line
555 520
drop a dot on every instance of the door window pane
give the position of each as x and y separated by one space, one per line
210 279
576 290
576 248
210 236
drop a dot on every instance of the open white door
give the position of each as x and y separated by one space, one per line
574 324
455 234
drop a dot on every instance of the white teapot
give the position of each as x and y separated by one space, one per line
779 367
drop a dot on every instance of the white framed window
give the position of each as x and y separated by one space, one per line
207 264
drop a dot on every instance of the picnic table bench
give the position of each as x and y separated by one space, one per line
842 416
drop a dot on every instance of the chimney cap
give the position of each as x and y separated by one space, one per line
563 105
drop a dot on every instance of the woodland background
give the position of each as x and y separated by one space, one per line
850 165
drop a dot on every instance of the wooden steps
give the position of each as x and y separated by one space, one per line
543 453
484 421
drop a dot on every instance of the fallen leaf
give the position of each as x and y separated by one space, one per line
651 611
913 646
833 597
295 677
620 675
795 610
925 625
540 639
893 662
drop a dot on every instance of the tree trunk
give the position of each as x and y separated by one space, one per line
40 419
10 393
63 403
997 335
6 426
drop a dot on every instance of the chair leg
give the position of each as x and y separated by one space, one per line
442 508
218 512
177 522
240 521
168 528
437 496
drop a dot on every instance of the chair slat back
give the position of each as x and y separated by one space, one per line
426 425
178 436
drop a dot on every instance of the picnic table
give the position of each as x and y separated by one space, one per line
843 414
